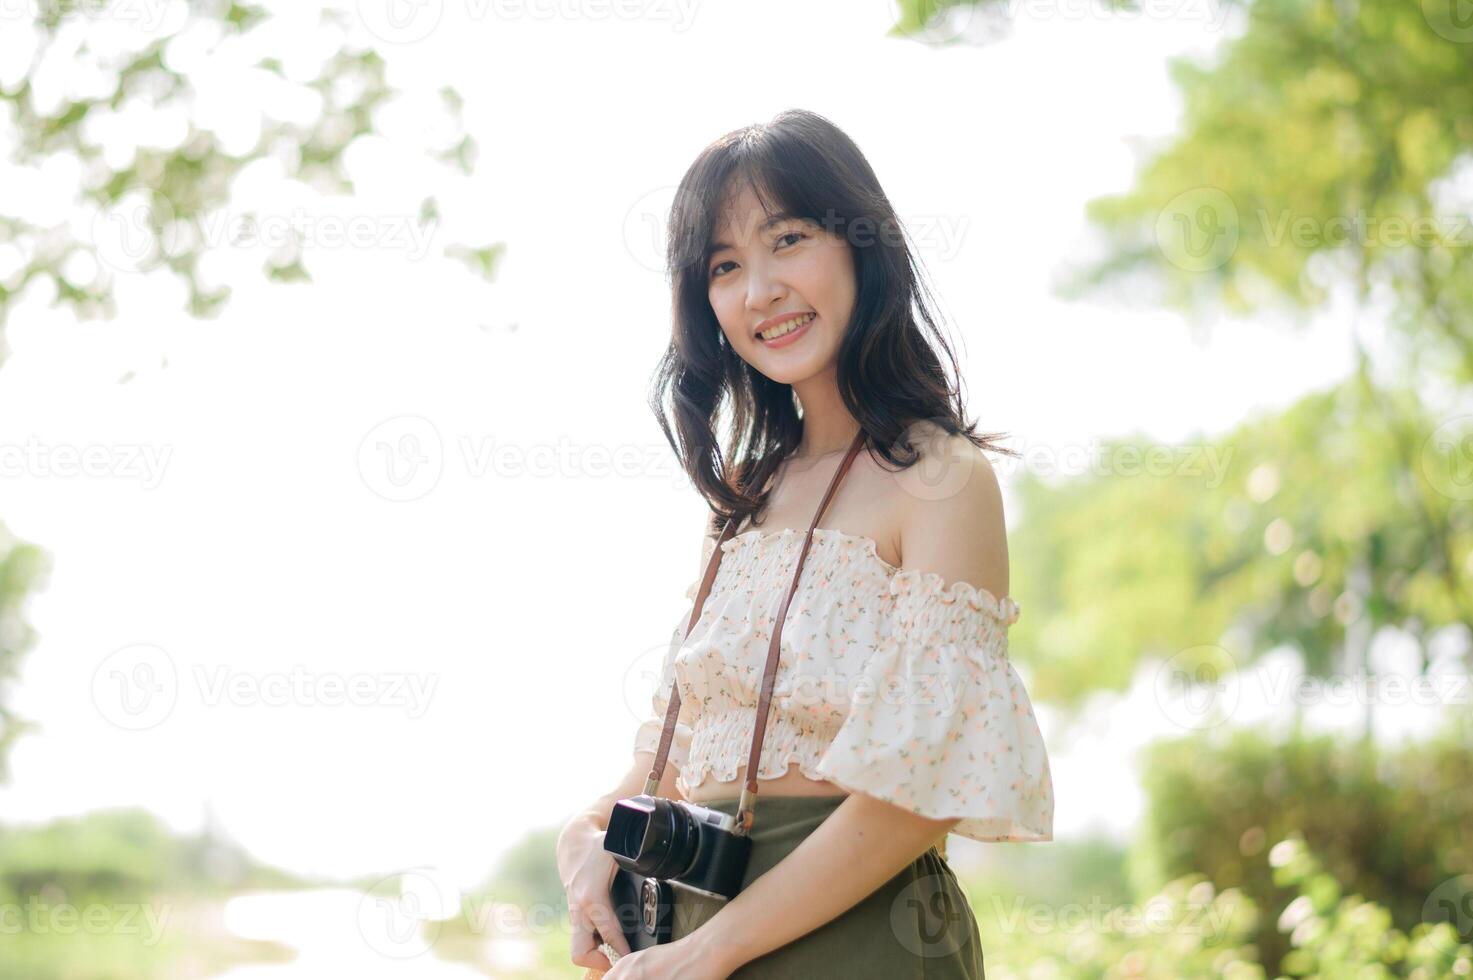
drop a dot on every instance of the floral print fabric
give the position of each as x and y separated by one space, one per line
890 683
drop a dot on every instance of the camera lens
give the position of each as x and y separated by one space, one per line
626 830
656 837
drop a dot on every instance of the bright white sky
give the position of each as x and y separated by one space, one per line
525 585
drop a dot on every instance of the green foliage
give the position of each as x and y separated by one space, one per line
1336 935
125 947
943 22
1313 150
169 194
1322 144
116 895
1391 825
1292 529
1188 930
1052 873
527 873
23 571
172 187
125 853
1192 928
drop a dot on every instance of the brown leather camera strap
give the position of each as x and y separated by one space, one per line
745 813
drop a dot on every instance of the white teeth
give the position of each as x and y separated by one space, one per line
787 326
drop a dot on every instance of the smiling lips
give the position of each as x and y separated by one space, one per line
785 330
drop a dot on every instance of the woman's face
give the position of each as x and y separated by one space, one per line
792 266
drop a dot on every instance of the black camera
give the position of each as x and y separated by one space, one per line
665 845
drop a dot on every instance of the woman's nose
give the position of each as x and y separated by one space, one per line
762 291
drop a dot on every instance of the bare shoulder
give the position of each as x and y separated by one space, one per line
952 520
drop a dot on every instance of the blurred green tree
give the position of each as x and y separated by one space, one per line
1298 530
166 187
1325 143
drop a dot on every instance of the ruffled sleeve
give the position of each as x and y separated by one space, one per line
940 722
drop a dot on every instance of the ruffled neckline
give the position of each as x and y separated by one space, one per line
901 580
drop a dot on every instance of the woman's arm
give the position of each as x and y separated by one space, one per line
861 845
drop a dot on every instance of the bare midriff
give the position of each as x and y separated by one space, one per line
791 783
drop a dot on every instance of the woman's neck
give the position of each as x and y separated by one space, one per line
805 450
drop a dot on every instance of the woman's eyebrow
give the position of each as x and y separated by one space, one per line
776 219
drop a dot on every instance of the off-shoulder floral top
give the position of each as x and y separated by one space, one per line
890 683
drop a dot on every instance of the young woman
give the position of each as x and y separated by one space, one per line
896 717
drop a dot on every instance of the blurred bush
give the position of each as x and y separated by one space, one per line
1393 825
117 895
126 853
1335 935
1193 930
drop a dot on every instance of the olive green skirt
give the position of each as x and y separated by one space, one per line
916 926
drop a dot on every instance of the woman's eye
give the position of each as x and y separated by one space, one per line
800 236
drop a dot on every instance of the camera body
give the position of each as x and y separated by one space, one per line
664 845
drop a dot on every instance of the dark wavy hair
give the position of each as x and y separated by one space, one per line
889 373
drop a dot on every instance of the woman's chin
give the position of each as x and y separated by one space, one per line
787 366
789 374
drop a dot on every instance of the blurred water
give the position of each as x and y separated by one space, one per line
335 931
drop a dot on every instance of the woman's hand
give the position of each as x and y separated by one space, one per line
683 959
591 909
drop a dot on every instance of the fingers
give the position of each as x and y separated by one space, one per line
607 924
585 942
